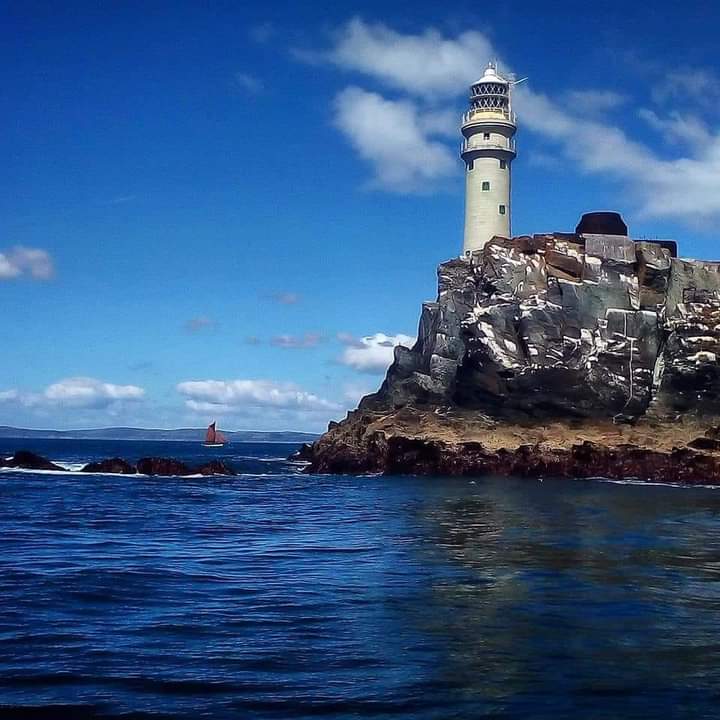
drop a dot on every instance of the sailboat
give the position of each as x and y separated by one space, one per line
213 437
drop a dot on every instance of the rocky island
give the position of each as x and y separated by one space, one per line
567 354
26 460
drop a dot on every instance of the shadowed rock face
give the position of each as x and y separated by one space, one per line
214 467
146 466
117 466
401 455
168 466
533 351
26 460
565 325
162 466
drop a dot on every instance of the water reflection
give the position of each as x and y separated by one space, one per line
275 594
580 590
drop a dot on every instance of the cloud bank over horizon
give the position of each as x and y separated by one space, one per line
75 392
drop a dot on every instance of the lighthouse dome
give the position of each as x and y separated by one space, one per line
491 75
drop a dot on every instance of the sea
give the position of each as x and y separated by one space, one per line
278 594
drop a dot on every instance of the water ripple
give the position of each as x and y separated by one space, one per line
279 595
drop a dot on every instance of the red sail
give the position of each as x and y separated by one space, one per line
210 435
219 437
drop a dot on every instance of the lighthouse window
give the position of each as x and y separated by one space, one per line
501 209
486 136
503 164
486 185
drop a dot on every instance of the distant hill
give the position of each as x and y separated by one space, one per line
123 433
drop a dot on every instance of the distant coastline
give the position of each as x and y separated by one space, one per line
178 434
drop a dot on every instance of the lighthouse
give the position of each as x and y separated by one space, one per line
488 149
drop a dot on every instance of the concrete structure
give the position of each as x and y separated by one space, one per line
488 150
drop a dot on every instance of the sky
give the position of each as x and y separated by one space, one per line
232 211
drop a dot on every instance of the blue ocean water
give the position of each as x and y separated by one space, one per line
281 595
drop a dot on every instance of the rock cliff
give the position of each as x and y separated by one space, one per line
561 327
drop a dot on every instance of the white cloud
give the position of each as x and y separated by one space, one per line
424 64
687 188
677 127
76 392
286 298
389 135
262 32
234 395
402 138
294 342
21 260
593 102
352 393
249 83
688 84
120 199
594 146
88 392
199 323
374 353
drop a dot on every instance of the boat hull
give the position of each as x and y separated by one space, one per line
213 444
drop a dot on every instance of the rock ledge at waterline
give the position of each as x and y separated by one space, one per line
562 354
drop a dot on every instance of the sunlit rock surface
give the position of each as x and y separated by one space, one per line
584 333
565 325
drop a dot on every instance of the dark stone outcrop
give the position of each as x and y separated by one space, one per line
416 442
556 325
169 466
214 467
580 327
117 466
162 466
26 460
400 455
302 454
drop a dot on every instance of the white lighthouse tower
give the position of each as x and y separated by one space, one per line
488 150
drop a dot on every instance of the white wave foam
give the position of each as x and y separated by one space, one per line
196 476
70 466
655 483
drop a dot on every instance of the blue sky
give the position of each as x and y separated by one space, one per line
227 210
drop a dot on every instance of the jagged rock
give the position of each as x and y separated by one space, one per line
146 466
117 466
688 373
562 327
26 460
704 443
653 274
357 447
303 454
214 467
562 324
162 466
